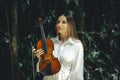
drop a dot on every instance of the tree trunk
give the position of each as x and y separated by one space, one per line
12 28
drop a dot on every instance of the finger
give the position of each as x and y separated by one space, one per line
40 51
33 50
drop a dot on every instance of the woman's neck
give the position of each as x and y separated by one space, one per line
63 37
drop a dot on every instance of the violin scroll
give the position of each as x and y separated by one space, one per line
40 21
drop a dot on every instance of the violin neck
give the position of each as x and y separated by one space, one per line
45 47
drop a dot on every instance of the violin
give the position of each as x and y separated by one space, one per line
48 64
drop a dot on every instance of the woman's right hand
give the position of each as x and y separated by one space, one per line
38 52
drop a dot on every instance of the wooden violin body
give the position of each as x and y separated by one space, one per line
48 64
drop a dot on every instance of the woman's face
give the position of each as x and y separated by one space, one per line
62 25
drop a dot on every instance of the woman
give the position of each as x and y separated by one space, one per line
68 49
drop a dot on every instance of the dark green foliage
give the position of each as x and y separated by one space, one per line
102 58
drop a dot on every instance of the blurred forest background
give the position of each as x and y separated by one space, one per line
97 23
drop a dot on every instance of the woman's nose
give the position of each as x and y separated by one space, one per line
59 24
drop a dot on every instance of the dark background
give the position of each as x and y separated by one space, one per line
98 27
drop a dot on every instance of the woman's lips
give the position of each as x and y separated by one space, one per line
59 28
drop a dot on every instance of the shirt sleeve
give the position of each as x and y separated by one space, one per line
76 72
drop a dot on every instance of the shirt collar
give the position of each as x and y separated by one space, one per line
69 41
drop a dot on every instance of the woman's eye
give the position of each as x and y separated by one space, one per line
63 22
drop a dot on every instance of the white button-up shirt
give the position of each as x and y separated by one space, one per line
71 58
